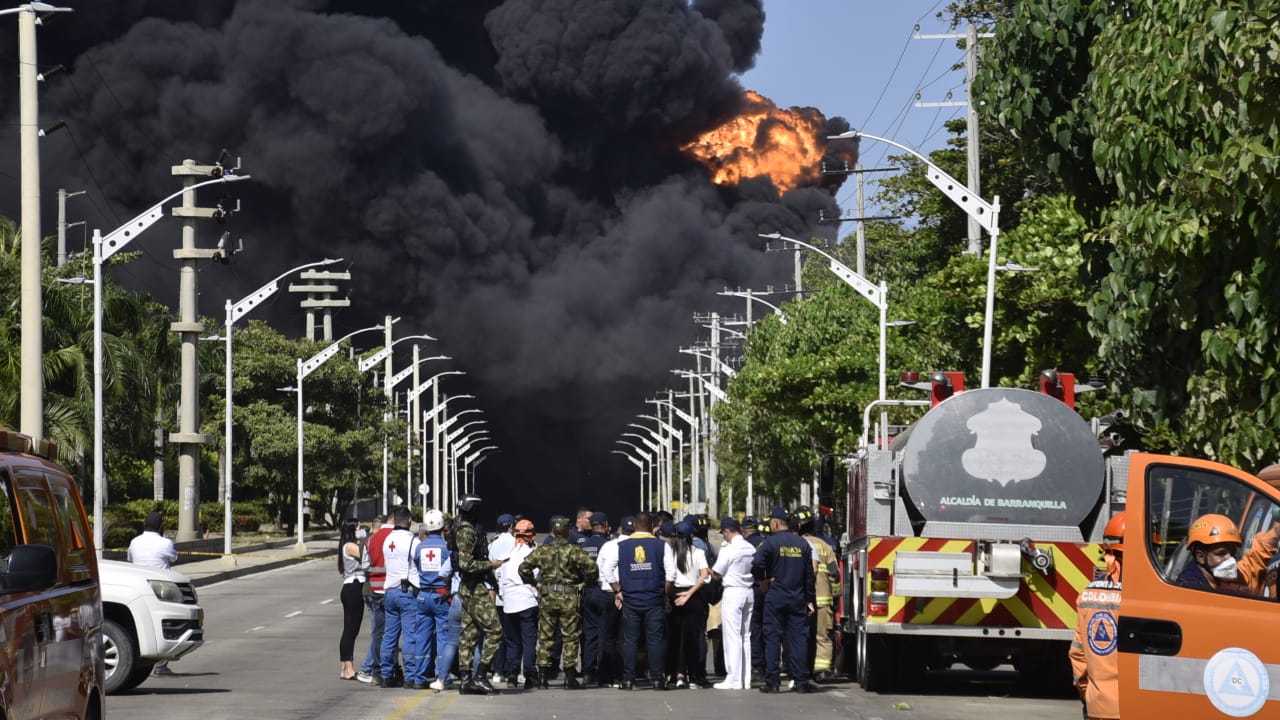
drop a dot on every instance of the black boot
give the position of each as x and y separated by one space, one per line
513 681
481 680
531 680
571 679
544 677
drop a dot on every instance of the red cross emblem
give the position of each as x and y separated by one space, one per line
392 546
431 555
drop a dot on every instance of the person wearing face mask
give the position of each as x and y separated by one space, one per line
1215 542
1094 664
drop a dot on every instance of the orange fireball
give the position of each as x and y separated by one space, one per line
783 144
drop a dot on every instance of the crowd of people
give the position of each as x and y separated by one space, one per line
650 600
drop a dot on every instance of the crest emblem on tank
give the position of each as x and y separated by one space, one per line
1004 451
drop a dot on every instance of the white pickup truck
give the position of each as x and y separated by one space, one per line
149 615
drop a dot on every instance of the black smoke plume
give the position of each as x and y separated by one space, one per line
504 175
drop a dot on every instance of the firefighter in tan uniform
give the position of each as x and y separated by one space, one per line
1094 664
826 574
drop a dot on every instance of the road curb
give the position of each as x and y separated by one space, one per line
236 572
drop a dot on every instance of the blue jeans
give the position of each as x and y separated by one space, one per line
432 636
651 620
453 630
522 641
401 618
377 619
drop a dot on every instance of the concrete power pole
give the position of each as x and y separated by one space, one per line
189 329
713 467
31 398
319 287
974 182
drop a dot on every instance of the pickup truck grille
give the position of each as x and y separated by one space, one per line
188 594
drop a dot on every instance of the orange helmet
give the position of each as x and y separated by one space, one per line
1113 535
1213 529
523 530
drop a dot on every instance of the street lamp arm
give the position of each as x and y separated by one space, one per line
720 364
782 317
451 437
405 373
710 385
986 214
115 240
312 363
257 297
679 413
627 455
865 287
643 455
374 359
653 446
453 420
670 428
436 410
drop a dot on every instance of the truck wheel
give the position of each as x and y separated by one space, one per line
119 657
141 671
877 666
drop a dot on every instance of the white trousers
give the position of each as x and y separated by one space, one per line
735 627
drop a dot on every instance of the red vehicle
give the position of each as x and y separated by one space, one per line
971 533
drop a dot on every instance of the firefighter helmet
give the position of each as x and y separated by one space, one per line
469 503
1113 535
802 517
1213 529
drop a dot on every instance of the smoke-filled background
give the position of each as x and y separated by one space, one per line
518 179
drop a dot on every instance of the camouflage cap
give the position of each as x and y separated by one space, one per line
559 523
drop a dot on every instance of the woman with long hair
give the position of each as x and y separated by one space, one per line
353 577
686 660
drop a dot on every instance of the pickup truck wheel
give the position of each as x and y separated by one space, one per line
141 671
119 657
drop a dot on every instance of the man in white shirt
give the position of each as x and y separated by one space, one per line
733 568
152 548
500 547
402 585
609 670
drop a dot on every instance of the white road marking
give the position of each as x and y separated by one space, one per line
256 629
295 613
326 602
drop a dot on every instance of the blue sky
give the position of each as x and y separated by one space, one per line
857 58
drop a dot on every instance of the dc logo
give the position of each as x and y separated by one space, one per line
1102 633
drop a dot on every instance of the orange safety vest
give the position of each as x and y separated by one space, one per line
1094 661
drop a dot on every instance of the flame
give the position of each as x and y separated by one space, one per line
783 144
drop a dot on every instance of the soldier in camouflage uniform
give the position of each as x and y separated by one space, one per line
562 568
471 560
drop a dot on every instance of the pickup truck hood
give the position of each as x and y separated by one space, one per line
135 577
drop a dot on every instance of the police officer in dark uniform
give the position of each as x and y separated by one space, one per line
784 566
594 603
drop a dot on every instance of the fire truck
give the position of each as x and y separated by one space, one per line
971 532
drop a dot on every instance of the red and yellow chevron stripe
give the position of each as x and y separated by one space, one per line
1041 602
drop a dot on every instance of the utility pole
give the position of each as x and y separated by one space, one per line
970 37
189 329
62 223
860 217
319 287
387 372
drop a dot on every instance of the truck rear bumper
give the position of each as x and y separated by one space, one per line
969 631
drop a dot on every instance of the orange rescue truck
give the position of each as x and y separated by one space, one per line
971 533
1189 652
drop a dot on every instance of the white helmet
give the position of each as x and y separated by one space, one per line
434 520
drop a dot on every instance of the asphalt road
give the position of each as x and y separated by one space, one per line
272 652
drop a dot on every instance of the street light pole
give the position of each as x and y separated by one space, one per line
234 312
985 214
103 248
305 368
644 469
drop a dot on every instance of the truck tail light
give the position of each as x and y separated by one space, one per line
878 603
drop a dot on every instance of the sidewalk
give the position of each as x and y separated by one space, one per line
215 567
